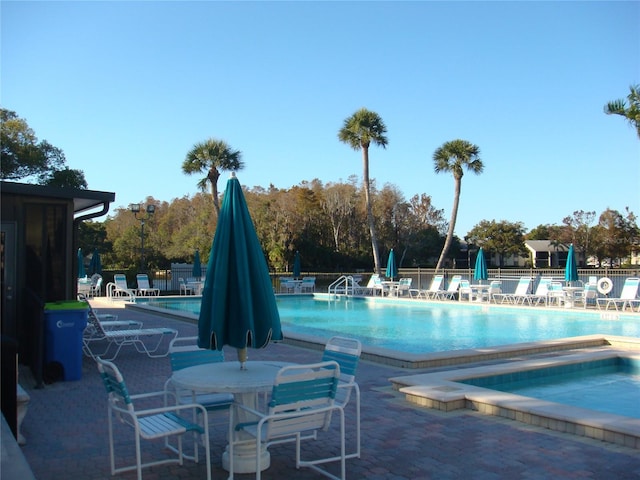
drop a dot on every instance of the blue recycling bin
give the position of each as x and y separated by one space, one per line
64 323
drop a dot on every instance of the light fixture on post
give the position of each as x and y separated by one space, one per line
136 208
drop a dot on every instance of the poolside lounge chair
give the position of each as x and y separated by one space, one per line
144 287
433 289
145 340
302 403
162 421
518 296
451 291
628 296
540 295
119 288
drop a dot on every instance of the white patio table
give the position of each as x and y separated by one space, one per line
226 377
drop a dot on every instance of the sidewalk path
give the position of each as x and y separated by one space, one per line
66 431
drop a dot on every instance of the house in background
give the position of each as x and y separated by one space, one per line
38 257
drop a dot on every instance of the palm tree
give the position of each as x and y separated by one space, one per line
358 131
452 157
211 156
632 112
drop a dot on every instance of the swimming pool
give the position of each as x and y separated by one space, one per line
425 327
610 385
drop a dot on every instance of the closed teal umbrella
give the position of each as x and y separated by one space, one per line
392 269
296 265
197 266
95 265
81 271
480 273
571 269
238 304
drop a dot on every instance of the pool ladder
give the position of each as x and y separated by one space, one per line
345 285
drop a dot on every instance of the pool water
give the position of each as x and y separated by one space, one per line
610 385
426 327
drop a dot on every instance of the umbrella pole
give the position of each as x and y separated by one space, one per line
242 357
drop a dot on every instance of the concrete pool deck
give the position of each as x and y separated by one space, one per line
66 430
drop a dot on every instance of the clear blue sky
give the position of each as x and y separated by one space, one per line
125 89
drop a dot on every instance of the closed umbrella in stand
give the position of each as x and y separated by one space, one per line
296 265
81 271
238 304
571 269
480 272
95 265
392 269
196 271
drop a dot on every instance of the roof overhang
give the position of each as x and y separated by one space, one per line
83 200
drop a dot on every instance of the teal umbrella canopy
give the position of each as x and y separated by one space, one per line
392 269
480 272
238 304
95 265
571 269
197 265
296 265
81 271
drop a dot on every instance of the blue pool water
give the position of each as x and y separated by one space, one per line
611 385
426 327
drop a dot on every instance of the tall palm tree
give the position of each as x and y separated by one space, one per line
359 131
632 112
210 157
453 156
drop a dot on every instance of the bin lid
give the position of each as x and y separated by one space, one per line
66 305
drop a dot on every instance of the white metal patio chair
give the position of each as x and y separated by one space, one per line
308 285
346 352
185 288
183 353
150 423
302 402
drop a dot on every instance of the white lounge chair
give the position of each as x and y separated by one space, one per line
540 295
403 287
519 295
145 340
434 288
144 287
302 403
628 296
150 423
451 291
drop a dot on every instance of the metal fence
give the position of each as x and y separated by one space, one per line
168 280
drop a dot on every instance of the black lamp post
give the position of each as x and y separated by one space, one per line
136 208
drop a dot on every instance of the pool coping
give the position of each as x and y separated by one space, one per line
443 391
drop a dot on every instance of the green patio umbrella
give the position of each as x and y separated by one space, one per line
480 272
296 265
95 265
197 265
571 269
392 269
238 304
81 271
